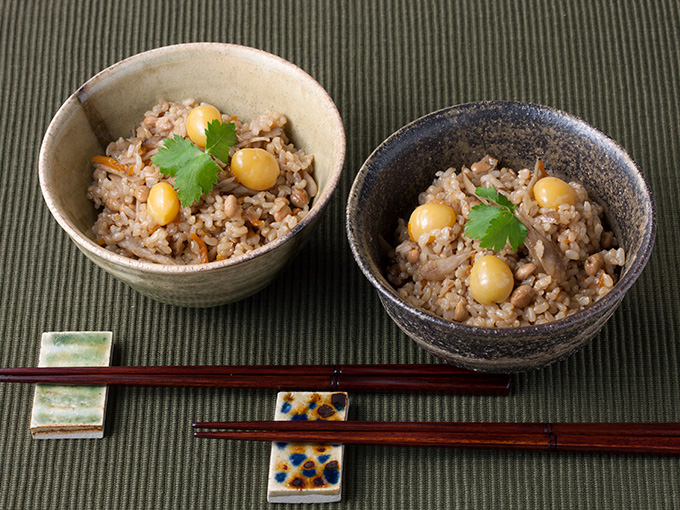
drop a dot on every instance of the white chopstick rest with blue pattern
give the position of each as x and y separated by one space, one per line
307 473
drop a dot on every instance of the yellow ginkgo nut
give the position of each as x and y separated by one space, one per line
491 280
552 192
198 120
256 169
428 217
163 204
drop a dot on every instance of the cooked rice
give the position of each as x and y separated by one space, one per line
231 220
577 230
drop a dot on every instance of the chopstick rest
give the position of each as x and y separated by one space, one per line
307 473
71 412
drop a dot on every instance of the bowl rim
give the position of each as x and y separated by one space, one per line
93 249
520 333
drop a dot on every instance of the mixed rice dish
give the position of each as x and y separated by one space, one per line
567 261
232 219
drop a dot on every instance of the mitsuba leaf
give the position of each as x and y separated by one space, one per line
495 226
516 232
502 229
197 178
195 171
219 138
174 155
494 196
480 219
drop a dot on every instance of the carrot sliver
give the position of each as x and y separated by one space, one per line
112 163
202 248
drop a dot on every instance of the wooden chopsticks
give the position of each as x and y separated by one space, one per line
414 378
625 438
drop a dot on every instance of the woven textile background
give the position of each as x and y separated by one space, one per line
385 63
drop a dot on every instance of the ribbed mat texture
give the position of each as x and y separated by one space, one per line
385 63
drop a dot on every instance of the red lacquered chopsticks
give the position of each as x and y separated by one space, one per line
425 378
625 438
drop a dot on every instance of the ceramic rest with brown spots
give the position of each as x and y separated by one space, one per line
307 473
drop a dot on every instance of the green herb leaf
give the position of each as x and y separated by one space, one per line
505 227
196 179
494 196
176 153
195 171
220 137
495 226
516 232
480 218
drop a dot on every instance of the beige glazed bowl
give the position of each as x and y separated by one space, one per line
243 81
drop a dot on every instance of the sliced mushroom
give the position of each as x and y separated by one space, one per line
469 186
135 247
538 169
484 165
551 260
439 269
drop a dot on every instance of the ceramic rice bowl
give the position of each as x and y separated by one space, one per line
242 81
387 187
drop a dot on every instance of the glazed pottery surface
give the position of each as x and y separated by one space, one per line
387 187
242 81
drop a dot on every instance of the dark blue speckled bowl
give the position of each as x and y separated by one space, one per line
387 187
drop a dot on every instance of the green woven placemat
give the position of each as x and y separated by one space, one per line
385 63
